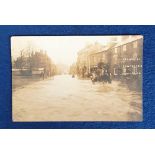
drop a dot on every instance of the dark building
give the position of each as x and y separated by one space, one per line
127 57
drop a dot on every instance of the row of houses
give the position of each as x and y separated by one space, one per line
33 63
123 57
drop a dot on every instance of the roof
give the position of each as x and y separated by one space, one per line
98 48
129 40
93 48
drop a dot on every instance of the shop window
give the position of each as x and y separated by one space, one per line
128 70
133 69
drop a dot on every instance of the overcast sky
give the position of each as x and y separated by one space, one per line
61 49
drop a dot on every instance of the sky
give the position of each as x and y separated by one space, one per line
61 49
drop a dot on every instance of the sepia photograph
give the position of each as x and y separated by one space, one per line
77 78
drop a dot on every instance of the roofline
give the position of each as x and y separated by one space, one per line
128 42
117 46
110 48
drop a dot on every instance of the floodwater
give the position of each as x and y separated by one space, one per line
64 98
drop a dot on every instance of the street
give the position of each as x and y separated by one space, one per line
64 98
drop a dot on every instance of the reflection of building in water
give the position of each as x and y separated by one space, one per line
124 56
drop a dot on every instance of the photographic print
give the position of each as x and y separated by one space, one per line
77 78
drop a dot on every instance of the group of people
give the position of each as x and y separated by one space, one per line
101 73
45 73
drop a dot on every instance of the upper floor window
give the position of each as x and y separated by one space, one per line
135 44
115 50
124 47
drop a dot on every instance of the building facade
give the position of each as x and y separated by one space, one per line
124 58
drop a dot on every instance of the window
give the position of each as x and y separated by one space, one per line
135 56
135 44
135 70
115 73
115 50
124 70
124 48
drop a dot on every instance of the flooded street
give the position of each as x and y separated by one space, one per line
64 98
